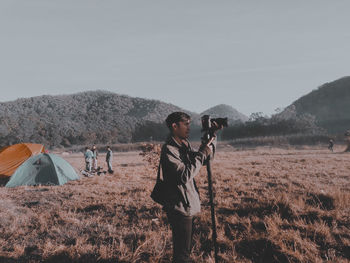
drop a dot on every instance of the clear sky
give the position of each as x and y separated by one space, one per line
253 55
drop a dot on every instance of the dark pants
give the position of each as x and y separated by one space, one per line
109 165
182 227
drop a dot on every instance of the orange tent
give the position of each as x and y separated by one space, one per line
11 157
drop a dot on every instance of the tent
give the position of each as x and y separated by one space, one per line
11 157
43 169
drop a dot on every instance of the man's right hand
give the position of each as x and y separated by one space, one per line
205 147
211 140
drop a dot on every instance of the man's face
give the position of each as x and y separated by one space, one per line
182 129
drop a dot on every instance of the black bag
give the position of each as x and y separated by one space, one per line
160 192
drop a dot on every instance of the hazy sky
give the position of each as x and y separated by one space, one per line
253 55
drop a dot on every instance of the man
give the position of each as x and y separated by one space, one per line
330 145
94 157
347 134
88 159
109 158
179 165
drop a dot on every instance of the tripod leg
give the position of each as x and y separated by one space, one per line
211 201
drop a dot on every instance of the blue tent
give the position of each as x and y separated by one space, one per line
43 169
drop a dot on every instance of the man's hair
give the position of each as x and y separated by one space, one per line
176 117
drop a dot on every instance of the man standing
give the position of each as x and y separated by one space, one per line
109 158
180 164
347 135
88 159
330 145
94 157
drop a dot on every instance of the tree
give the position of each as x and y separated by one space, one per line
148 130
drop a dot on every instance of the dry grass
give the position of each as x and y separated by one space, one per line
272 205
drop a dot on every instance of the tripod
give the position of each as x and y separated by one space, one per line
211 201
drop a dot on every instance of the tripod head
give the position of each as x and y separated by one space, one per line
210 126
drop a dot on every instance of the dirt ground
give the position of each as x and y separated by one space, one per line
272 205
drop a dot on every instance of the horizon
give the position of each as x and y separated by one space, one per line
253 56
108 91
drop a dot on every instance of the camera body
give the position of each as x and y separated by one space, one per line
209 128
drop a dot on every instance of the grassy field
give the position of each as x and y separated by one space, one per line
272 205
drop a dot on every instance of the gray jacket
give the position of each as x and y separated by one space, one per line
180 164
109 155
88 155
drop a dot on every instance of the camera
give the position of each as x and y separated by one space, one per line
209 128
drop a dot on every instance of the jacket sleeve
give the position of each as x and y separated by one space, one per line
179 172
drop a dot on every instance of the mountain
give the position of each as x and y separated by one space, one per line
223 110
82 118
330 104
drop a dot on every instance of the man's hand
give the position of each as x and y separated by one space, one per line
211 140
206 148
216 126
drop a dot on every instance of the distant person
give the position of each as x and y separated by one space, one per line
330 145
347 135
179 164
94 157
109 158
88 159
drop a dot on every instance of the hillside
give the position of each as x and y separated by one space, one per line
223 110
88 117
330 104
